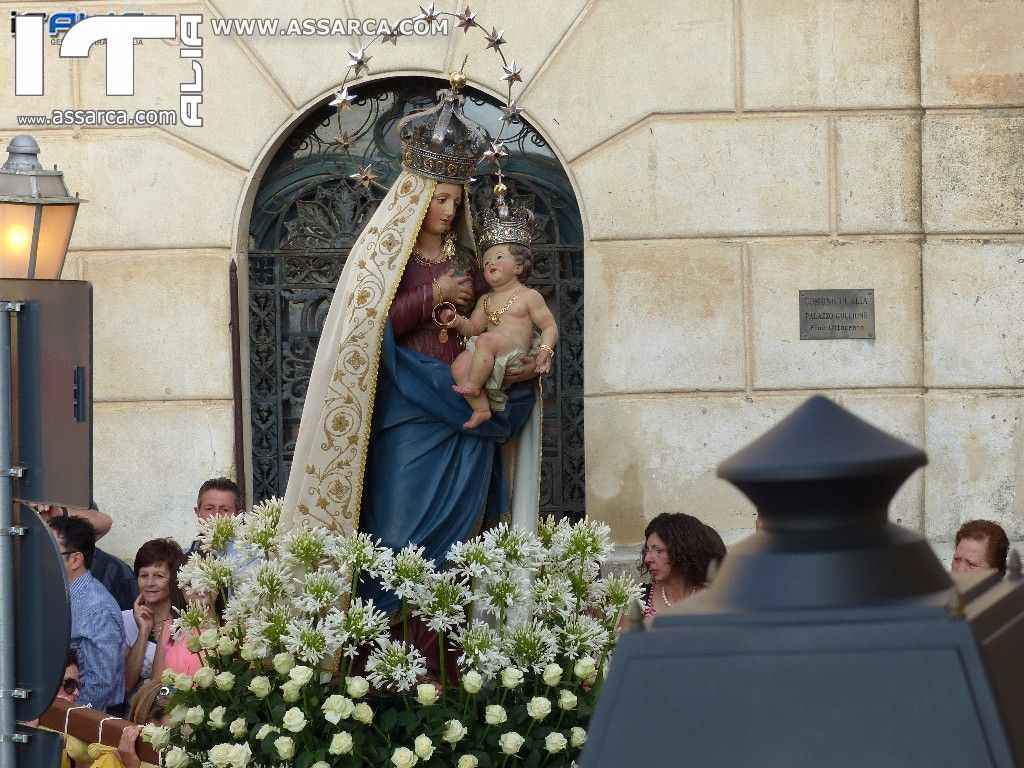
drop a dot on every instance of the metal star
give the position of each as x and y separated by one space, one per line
343 142
359 60
389 34
364 176
496 151
466 20
512 73
342 100
510 113
428 14
495 39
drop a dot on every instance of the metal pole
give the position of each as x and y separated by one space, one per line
7 658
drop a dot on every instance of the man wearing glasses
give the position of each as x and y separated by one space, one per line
97 631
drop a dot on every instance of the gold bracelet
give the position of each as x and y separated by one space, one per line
546 348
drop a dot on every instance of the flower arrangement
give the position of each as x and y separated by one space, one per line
300 672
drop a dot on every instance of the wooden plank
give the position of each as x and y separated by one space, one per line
84 724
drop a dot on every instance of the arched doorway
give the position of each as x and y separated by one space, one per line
306 216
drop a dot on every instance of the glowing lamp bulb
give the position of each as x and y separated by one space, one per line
16 238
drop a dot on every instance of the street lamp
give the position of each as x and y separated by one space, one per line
37 214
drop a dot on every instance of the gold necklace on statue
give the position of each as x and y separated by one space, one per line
425 261
494 318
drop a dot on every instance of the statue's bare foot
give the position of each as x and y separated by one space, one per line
478 418
466 389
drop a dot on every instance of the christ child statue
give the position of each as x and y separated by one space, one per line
501 329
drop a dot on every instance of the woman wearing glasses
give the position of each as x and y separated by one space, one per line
678 551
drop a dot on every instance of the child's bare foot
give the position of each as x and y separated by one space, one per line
478 418
466 389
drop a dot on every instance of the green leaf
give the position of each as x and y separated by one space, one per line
533 759
388 720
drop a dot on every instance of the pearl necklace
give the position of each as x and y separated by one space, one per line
664 595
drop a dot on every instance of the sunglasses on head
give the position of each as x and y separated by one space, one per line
70 686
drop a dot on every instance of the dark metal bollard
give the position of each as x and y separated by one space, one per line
831 638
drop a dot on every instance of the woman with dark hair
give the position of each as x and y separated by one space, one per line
677 553
156 571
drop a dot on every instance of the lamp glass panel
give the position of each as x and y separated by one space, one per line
54 235
16 223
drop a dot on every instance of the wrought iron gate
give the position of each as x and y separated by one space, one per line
306 218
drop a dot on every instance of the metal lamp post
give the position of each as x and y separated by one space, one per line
37 215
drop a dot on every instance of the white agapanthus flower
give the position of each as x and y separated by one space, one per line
216 532
618 591
475 558
529 644
409 572
518 547
481 649
586 541
442 601
320 591
307 640
205 574
358 553
258 535
305 549
583 635
361 625
394 664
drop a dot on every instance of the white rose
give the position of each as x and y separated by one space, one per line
341 743
285 747
175 757
239 755
216 718
291 691
193 644
472 682
225 645
468 761
511 677
208 639
577 736
237 728
362 713
538 707
552 675
586 669
454 732
566 700
219 754
168 677
300 675
320 764
194 716
204 677
283 663
495 714
555 742
158 736
260 686
404 757
182 682
247 651
178 714
265 730
426 694
225 681
511 743
294 720
357 687
337 708
423 747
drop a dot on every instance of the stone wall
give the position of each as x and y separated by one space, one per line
724 154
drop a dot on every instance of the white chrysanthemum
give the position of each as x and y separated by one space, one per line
529 644
358 553
409 572
320 591
518 547
360 625
475 558
393 664
481 650
442 601
583 635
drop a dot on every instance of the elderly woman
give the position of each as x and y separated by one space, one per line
677 553
156 571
